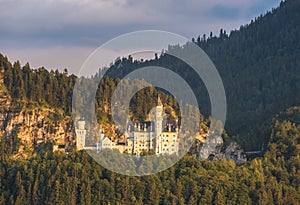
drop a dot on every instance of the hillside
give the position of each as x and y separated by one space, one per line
27 126
259 65
260 68
77 179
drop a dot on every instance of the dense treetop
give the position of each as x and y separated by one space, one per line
259 65
55 178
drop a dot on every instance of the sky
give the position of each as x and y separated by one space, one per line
60 34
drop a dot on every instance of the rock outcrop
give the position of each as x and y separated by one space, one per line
33 124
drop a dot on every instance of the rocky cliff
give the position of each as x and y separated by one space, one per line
34 125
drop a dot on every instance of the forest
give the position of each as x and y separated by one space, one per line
259 65
56 178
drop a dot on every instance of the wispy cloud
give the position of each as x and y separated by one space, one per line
41 24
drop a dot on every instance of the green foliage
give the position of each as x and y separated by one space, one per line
37 86
56 178
259 66
9 144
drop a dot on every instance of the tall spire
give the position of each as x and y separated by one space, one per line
159 103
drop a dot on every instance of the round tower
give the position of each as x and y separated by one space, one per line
80 134
158 117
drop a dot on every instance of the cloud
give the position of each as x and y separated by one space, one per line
51 18
225 12
33 26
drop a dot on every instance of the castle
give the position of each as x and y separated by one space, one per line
159 136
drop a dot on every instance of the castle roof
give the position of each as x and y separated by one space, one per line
169 125
145 126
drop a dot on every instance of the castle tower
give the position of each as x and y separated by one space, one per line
158 117
99 145
158 125
80 135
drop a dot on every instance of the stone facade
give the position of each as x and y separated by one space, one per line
159 136
80 135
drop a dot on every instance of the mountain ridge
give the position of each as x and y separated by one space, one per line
258 64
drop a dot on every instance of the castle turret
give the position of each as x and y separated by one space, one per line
177 127
80 135
81 124
102 136
158 125
158 117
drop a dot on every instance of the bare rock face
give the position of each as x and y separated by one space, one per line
195 150
211 147
33 125
37 125
5 102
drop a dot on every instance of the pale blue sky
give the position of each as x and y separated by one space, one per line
62 33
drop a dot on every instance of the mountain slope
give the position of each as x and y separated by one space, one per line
259 65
